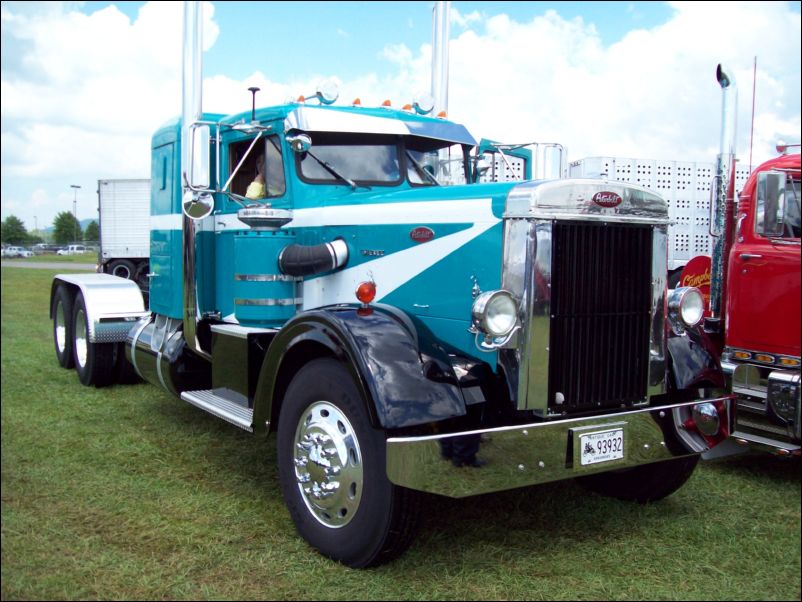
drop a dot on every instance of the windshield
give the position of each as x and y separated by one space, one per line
362 159
444 167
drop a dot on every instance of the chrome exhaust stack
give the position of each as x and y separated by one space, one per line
723 192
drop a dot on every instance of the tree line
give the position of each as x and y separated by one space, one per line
66 229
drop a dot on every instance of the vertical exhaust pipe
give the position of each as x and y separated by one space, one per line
440 36
723 194
192 69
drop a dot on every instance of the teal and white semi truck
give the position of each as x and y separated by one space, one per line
399 336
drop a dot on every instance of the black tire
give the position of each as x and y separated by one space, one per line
646 483
122 268
366 520
142 279
94 362
62 326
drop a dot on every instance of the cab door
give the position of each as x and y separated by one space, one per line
763 296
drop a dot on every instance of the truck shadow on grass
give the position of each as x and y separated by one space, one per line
522 522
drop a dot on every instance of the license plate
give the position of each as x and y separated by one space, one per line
603 446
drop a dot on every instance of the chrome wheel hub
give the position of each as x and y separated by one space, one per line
328 464
61 328
80 338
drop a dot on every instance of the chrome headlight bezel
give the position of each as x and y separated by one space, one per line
686 308
495 313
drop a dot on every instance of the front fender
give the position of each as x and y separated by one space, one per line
405 377
695 361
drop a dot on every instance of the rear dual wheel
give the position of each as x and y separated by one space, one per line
62 326
94 362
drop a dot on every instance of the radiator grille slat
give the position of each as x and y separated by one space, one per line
600 305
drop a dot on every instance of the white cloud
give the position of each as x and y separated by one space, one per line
82 94
652 94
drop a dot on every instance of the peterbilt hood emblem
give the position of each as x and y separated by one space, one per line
606 199
421 234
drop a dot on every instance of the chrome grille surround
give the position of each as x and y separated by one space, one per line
536 213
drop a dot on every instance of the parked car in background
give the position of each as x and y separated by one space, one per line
17 252
72 250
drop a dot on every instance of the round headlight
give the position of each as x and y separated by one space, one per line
687 306
495 313
692 308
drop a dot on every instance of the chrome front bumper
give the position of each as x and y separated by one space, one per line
519 456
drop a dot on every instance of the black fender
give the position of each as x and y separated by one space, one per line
694 360
404 375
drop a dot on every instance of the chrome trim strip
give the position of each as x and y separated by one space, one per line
266 277
657 340
269 302
519 456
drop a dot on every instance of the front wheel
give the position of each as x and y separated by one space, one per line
646 483
332 471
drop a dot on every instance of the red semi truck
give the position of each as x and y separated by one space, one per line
762 291
755 292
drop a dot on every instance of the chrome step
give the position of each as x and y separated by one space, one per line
217 405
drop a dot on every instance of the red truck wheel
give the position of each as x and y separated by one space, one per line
332 471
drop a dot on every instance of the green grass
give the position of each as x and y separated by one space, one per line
52 257
128 493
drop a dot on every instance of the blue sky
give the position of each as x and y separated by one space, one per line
85 84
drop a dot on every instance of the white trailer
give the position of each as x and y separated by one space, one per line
124 208
684 184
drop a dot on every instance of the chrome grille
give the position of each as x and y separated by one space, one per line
600 315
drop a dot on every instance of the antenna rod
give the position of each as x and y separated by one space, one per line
752 134
253 90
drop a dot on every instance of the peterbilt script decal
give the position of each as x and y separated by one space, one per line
422 234
607 199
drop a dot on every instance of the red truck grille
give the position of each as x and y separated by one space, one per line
600 315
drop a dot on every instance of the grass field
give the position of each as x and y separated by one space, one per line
127 493
53 258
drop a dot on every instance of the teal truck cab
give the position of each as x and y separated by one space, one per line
315 279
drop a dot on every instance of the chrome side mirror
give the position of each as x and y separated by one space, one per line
770 203
197 205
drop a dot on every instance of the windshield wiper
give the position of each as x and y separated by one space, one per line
422 170
332 171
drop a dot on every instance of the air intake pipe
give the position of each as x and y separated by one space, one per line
305 260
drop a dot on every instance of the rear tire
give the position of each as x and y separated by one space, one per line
122 268
94 362
332 471
62 326
646 483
